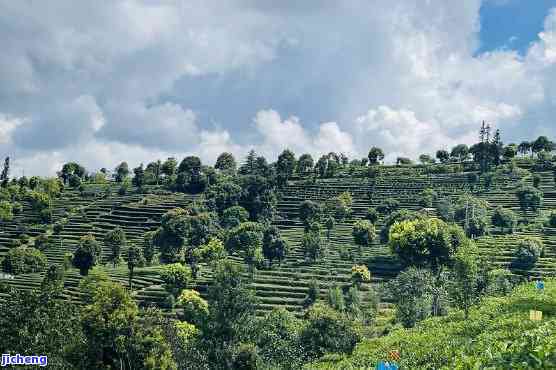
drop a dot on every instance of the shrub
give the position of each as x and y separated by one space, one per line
22 260
46 215
528 251
327 331
428 197
195 308
6 211
389 206
41 242
412 294
529 198
363 233
552 219
504 218
360 274
372 215
175 277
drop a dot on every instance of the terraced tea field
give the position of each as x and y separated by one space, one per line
286 284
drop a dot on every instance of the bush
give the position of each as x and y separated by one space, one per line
529 198
41 242
428 197
528 252
360 274
389 206
363 233
504 218
22 260
552 219
6 211
327 331
412 295
372 215
195 308
46 215
175 277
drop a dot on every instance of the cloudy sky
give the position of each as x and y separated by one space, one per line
106 81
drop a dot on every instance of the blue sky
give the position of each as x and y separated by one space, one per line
139 80
512 24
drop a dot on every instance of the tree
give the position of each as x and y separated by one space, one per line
428 197
327 331
363 233
231 312
226 163
234 216
115 239
5 170
375 156
6 211
211 251
388 206
542 144
309 212
169 167
524 147
411 291
403 161
443 156
425 159
152 172
134 258
223 195
148 246
195 308
339 206
69 169
277 337
190 165
372 215
246 239
312 245
87 254
329 223
529 198
274 246
139 178
460 152
312 294
335 298
509 152
121 172
171 235
115 334
426 242
23 260
285 166
176 278
465 274
504 218
305 164
360 274
528 251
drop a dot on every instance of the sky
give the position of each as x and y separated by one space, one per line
103 82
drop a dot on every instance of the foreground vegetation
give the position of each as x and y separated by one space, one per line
184 265
498 334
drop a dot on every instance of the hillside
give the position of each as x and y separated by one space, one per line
91 211
497 335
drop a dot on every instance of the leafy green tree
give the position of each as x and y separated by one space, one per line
152 173
170 237
6 211
87 254
403 161
312 245
223 195
443 156
372 215
148 246
246 240
363 233
115 239
428 198
121 172
69 169
176 278
195 308
231 312
327 331
23 260
528 251
169 167
190 165
139 178
277 337
465 274
388 206
360 274
5 170
211 251
305 164
509 152
529 198
398 216
335 298
340 206
426 242
504 218
39 321
542 144
329 223
460 152
375 156
226 163
309 212
524 147
274 246
53 279
234 216
258 197
285 166
412 294
313 292
425 159
134 259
